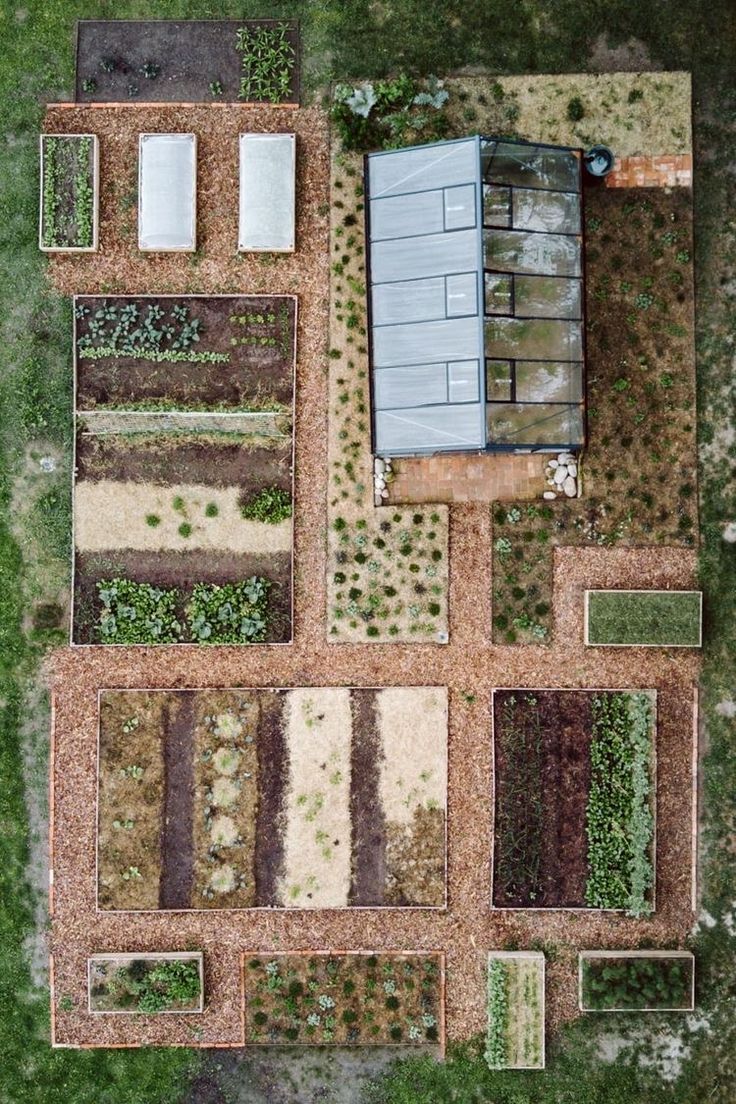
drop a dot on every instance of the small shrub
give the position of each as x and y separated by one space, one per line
153 520
185 529
236 613
211 510
271 505
136 613
575 109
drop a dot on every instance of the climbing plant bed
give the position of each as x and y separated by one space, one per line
636 981
515 992
69 206
644 618
344 999
146 983
187 61
185 352
320 797
574 799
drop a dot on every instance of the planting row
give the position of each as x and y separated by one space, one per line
69 192
305 798
183 474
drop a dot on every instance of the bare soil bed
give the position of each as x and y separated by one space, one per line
190 55
252 338
271 798
543 779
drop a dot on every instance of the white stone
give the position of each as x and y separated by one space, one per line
565 457
549 494
379 466
380 482
560 475
550 482
552 464
572 468
570 487
384 492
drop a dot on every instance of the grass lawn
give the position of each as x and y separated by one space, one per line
644 617
351 37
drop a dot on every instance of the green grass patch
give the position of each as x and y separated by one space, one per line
639 617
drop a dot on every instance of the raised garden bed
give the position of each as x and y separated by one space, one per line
515 991
69 208
183 494
574 799
188 61
636 981
148 984
644 618
185 352
344 999
305 798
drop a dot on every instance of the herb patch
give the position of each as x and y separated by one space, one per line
657 618
344 999
636 981
146 983
574 799
69 192
305 798
515 999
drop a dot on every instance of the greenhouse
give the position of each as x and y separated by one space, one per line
167 192
267 193
476 297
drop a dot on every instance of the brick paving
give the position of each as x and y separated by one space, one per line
459 477
652 172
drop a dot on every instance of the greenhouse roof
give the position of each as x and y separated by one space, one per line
475 278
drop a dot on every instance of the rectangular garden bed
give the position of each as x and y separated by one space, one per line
344 999
69 205
187 61
146 983
574 799
644 618
183 494
167 192
515 1038
636 981
318 797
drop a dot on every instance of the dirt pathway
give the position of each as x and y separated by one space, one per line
177 848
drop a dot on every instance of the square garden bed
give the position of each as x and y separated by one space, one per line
644 618
183 494
318 797
574 799
187 61
146 983
69 205
344 999
636 981
515 1037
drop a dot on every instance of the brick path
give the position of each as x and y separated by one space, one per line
457 477
652 172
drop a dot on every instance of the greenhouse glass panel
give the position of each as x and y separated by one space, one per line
548 381
496 206
547 297
410 386
549 212
499 293
267 193
526 166
408 301
524 251
533 339
167 192
499 380
546 424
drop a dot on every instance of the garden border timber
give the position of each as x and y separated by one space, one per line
538 956
52 803
275 909
695 804
442 985
172 248
169 295
95 196
628 590
653 953
146 956
653 692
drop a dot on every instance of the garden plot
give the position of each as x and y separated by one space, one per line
515 1037
69 193
192 61
183 517
344 999
574 800
644 618
636 981
146 983
305 798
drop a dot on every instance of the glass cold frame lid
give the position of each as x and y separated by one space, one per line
533 301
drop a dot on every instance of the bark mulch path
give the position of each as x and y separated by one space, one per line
470 665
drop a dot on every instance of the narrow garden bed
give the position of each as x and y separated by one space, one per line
69 211
344 999
636 981
574 799
644 618
515 1037
146 983
190 352
304 798
187 61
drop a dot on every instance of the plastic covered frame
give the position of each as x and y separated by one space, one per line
186 241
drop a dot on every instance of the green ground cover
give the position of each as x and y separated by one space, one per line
346 38
637 617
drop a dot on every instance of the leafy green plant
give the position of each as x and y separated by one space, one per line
271 504
136 613
575 109
636 983
236 613
215 88
268 63
151 987
497 1005
389 113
